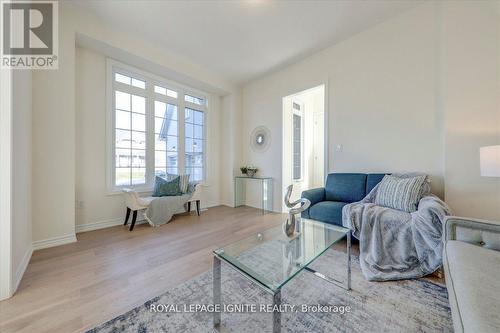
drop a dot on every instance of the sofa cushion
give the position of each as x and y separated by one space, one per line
327 211
345 187
473 286
372 179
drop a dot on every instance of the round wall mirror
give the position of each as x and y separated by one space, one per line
260 139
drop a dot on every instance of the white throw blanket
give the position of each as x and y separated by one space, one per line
394 244
161 209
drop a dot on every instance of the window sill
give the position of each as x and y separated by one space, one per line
119 191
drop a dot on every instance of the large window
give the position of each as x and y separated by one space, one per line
195 143
166 138
130 134
156 128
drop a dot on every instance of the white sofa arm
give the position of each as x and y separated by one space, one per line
197 193
474 231
134 201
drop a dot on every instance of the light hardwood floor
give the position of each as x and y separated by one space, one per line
107 272
75 287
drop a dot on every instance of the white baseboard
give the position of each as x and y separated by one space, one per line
54 241
106 224
227 203
22 268
119 221
260 208
204 205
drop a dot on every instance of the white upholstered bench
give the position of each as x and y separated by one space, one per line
134 203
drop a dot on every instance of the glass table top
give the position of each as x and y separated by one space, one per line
272 259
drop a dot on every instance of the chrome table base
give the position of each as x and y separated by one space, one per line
347 284
217 296
275 294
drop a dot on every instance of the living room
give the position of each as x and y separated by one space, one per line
146 164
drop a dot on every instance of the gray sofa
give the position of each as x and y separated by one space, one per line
471 260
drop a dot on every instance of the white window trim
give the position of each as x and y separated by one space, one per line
151 80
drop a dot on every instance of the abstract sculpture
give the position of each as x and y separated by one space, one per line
289 225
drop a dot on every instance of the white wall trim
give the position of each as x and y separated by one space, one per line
274 210
6 284
326 131
106 224
119 221
326 155
206 204
22 267
114 66
54 241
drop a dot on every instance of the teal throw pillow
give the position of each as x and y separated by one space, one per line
165 187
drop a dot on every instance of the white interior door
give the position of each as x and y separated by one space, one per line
303 141
318 169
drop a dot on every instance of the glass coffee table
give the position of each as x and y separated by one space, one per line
270 259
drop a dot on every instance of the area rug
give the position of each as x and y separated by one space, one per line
318 306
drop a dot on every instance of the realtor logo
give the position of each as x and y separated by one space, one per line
29 34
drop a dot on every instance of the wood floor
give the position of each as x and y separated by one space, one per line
74 287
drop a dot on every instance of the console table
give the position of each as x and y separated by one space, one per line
266 191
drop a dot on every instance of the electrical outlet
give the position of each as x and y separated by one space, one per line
339 147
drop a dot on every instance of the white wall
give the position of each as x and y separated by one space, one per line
381 91
317 160
418 92
393 92
15 179
54 143
93 202
231 142
95 206
313 105
5 183
55 147
21 173
470 68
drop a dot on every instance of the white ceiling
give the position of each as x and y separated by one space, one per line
242 40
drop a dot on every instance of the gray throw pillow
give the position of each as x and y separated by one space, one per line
164 188
400 193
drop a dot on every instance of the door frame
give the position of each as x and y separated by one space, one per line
6 287
326 137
